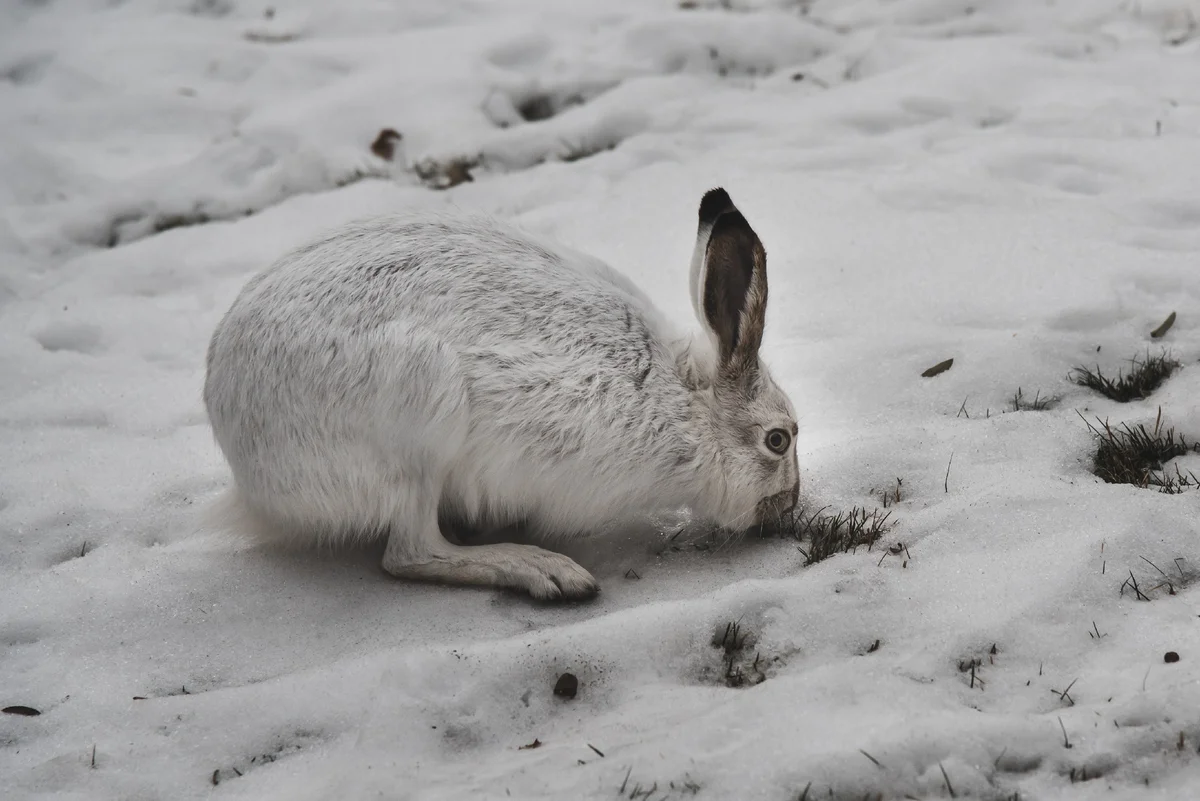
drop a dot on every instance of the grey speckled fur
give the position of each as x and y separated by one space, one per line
410 365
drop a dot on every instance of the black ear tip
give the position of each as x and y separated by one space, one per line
732 226
731 221
714 203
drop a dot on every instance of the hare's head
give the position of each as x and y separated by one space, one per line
752 419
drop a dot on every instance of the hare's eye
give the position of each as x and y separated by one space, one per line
778 440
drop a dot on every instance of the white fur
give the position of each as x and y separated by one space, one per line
403 366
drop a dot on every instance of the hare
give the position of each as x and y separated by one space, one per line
430 365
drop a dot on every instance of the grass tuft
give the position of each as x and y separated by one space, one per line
840 532
738 670
1021 403
1144 377
1137 455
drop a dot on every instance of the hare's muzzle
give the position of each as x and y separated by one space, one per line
775 506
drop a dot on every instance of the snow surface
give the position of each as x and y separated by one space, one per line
1011 183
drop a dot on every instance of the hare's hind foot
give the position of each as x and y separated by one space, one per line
543 574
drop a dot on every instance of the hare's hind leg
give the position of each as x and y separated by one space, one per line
430 424
417 550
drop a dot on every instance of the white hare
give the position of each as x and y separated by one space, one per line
412 367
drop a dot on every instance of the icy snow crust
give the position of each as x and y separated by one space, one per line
1011 183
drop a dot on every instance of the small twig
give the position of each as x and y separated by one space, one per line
1096 628
949 786
626 781
216 777
1066 741
1065 695
946 485
878 764
93 755
597 750
804 795
963 409
631 574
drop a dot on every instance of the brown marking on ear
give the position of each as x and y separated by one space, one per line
735 290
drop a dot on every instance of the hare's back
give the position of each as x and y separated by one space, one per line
468 278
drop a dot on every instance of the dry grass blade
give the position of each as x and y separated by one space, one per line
946 778
1143 378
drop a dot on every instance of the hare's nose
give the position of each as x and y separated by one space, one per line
795 496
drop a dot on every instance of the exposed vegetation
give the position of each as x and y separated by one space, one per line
1021 403
1137 455
739 668
840 532
1144 377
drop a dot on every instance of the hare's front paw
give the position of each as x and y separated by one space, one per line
543 574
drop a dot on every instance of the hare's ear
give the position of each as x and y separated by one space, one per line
729 282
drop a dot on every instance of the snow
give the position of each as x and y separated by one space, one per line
1011 183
